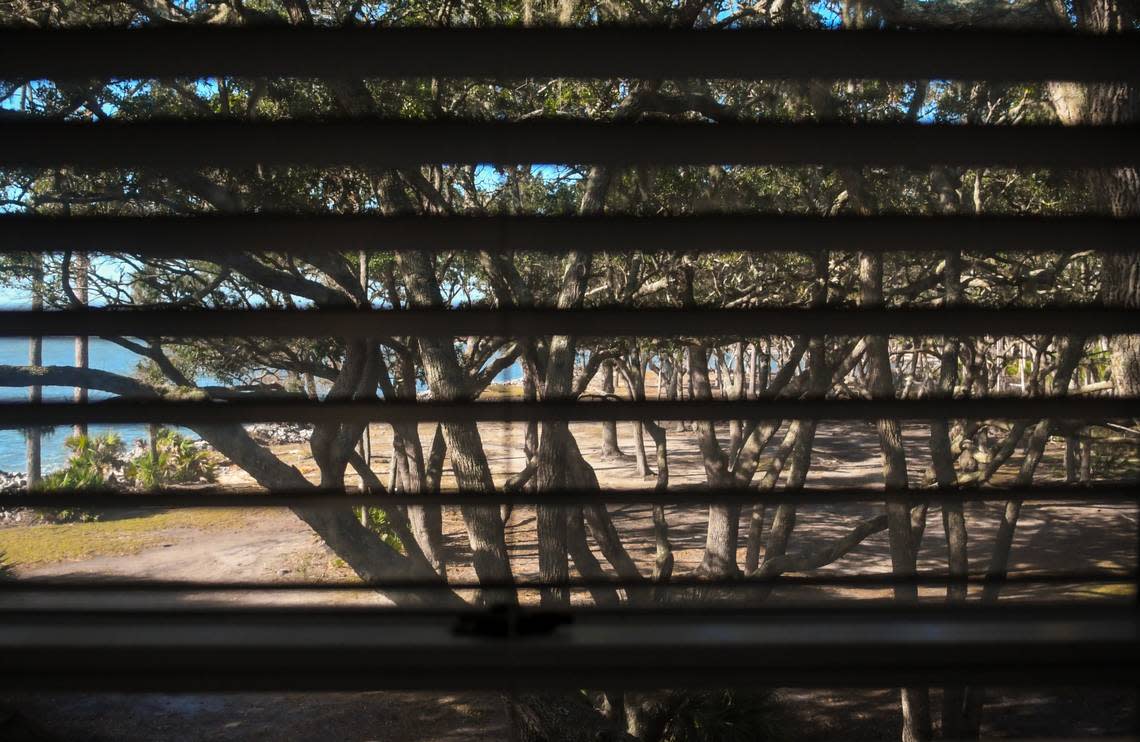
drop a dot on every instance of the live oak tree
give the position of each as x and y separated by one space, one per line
762 455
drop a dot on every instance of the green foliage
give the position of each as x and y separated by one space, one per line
80 473
1111 460
100 461
379 522
91 464
723 716
177 461
92 461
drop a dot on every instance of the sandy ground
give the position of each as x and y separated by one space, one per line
272 545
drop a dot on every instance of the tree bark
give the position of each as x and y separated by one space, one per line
736 427
82 343
915 700
723 531
633 372
558 458
365 446
446 381
33 436
1116 190
560 717
610 448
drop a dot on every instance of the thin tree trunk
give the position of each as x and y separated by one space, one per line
35 392
765 370
1086 462
947 185
642 461
393 469
530 394
559 460
633 374
915 700
1117 190
663 560
610 448
1072 459
1003 540
152 441
676 388
82 343
365 445
735 427
723 531
447 381
1070 355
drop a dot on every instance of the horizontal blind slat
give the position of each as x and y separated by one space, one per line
511 53
517 323
141 410
215 235
406 143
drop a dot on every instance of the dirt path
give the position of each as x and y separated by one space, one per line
267 545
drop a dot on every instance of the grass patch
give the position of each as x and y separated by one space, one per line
502 391
67 542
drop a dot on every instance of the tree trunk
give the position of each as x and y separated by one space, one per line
1086 462
735 427
610 449
559 463
799 439
446 381
947 184
915 700
82 343
35 392
408 455
1003 540
152 441
364 552
633 373
561 717
366 437
1117 190
1072 459
1070 354
676 388
530 394
765 362
723 530
663 559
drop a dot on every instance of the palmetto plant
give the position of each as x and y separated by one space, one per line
92 462
176 460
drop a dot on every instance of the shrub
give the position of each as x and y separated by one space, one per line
177 461
100 461
378 522
93 463
723 716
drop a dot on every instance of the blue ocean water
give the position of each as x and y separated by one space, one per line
105 356
60 352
